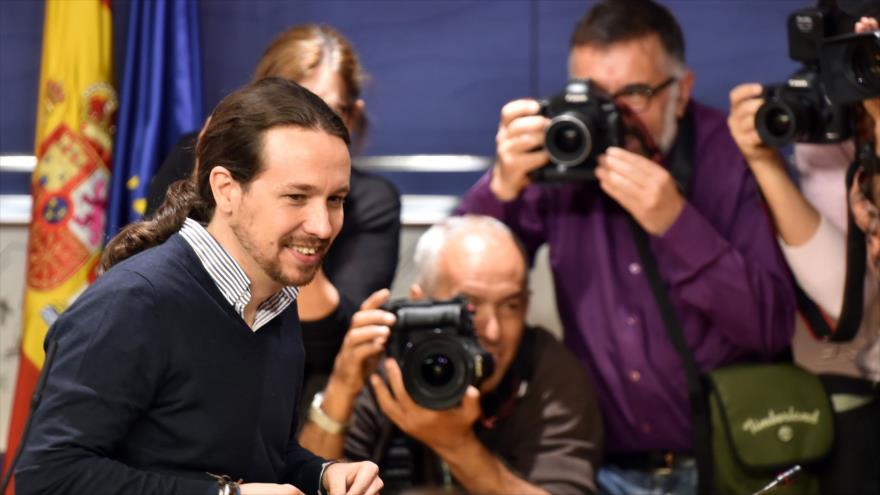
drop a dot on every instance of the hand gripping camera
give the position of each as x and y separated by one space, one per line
812 106
435 344
583 124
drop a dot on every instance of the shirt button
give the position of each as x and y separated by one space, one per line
646 428
635 376
635 268
631 320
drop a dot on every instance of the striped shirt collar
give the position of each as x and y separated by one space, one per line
229 276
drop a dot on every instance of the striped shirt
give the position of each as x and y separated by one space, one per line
230 278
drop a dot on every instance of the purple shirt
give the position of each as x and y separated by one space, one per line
719 260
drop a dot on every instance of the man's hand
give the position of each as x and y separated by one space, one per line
362 345
642 187
450 435
269 489
352 478
745 100
439 430
518 148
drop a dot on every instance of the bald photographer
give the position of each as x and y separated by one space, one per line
441 418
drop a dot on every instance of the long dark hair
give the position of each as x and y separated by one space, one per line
233 139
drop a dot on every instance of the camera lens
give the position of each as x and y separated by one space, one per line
778 122
437 370
782 121
568 140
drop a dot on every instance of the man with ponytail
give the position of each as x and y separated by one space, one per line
179 370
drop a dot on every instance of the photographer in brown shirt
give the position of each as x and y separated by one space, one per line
532 426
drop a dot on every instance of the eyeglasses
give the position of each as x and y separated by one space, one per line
638 96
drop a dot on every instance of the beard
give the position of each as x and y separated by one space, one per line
670 122
271 264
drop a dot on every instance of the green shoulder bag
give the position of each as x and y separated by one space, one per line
765 419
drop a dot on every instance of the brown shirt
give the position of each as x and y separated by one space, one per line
552 437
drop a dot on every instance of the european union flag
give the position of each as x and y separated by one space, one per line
160 100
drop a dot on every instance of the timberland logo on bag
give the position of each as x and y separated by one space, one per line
773 418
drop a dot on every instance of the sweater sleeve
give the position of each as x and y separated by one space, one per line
106 370
303 468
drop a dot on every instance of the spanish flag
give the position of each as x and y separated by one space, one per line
76 114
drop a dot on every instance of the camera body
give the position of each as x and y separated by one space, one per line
850 64
436 346
798 111
584 122
812 106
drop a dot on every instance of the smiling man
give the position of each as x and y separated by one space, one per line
715 249
179 370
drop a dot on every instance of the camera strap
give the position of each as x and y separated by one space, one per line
680 164
699 406
680 161
819 324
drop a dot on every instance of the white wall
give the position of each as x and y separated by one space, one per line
13 249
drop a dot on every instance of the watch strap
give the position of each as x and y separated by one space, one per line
320 418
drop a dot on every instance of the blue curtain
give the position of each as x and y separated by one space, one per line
160 100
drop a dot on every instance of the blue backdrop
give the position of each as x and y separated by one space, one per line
440 70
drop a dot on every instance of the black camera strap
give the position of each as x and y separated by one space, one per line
680 165
854 284
702 432
680 162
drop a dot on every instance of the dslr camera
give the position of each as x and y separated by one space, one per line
436 346
584 122
814 104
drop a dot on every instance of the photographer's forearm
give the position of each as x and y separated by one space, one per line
796 220
480 472
338 405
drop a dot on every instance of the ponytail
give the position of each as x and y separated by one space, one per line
181 201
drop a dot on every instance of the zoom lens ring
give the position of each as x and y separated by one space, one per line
555 123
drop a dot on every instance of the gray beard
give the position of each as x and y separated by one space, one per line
670 123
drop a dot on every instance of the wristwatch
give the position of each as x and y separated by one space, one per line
320 418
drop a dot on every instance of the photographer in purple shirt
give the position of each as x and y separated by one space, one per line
714 246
